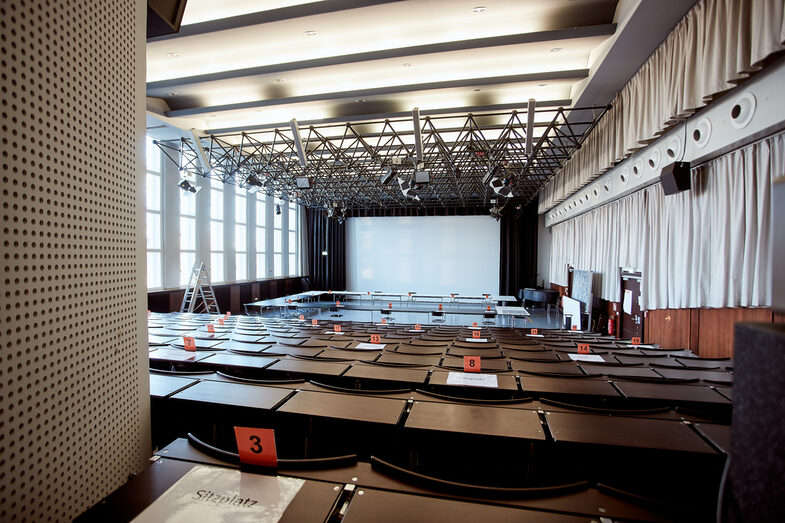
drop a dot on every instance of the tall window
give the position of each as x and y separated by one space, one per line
187 235
261 238
154 222
293 244
278 238
240 234
216 231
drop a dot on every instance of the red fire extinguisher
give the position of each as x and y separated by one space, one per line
611 325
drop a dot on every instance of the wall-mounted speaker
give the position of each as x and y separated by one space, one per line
164 17
675 177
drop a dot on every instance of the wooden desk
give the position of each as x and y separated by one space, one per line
234 394
306 367
671 392
412 376
567 386
345 407
506 382
162 386
475 419
179 355
645 433
380 506
240 361
313 502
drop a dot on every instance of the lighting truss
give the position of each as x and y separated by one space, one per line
345 162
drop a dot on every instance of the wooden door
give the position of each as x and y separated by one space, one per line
631 316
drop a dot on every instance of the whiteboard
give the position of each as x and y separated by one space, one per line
424 254
582 287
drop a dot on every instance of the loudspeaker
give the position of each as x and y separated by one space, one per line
675 177
164 16
754 487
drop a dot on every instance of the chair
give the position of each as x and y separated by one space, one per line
437 316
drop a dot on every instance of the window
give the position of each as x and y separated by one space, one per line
240 234
216 231
293 244
187 235
261 238
278 238
153 182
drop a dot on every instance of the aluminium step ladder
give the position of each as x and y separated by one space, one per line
199 288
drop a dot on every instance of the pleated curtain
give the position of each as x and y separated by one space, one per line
707 247
715 46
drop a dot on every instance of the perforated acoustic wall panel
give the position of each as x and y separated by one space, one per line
74 411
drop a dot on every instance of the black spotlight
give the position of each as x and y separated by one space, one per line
187 186
277 208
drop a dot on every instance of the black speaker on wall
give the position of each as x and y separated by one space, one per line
164 16
675 177
754 487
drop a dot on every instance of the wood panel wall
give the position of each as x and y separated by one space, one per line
230 297
706 332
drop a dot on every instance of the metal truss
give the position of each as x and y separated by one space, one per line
345 163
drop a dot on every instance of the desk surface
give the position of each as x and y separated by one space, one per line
475 419
506 382
162 386
576 386
644 433
345 407
511 311
234 394
313 502
380 506
671 392
414 376
320 368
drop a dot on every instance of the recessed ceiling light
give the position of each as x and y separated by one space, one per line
279 80
173 93
479 9
541 85
173 55
556 49
361 100
477 90
310 33
407 64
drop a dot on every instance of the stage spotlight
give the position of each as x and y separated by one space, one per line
387 175
253 181
188 186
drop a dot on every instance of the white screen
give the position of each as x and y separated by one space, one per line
424 254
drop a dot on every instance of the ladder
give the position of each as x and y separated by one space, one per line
199 287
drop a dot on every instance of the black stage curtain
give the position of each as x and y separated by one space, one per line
325 234
518 250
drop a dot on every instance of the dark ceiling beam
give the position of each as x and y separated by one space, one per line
271 15
380 117
153 88
382 91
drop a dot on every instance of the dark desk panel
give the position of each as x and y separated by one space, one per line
378 372
179 355
566 367
456 362
162 386
475 419
381 506
576 386
240 360
246 347
475 351
670 392
313 502
719 435
643 433
343 354
345 407
705 375
506 381
305 367
620 371
309 352
408 359
234 394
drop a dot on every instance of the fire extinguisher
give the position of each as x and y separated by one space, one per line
611 325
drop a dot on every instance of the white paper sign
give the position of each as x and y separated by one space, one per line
370 346
472 380
536 335
219 494
336 333
586 357
626 305
415 330
475 328
477 340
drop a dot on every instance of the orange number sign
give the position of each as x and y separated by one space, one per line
471 364
256 446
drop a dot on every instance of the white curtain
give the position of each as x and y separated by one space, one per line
716 45
707 247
